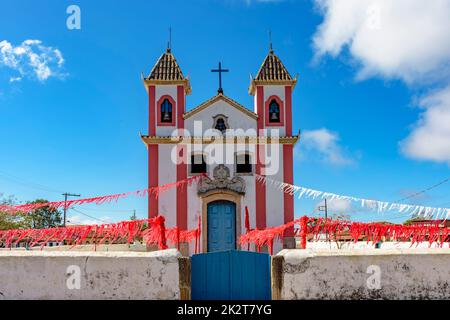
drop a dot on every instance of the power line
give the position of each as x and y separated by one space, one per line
89 216
424 190
15 179
405 215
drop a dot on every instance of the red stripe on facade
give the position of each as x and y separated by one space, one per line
288 110
152 153
181 107
260 188
182 203
152 179
288 174
151 111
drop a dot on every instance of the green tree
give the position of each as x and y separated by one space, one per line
12 221
45 217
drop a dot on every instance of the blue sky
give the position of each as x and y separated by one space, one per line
371 104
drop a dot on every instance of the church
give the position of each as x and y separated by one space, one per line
226 143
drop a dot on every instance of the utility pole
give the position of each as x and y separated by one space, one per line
324 208
66 195
133 217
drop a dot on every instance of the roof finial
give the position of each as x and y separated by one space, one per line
169 43
270 42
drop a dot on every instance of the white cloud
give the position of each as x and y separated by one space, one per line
326 144
31 59
405 39
337 206
430 138
15 79
402 39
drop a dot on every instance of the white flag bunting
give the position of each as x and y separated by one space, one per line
380 206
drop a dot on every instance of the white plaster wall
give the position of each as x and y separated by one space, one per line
137 246
249 200
236 118
104 275
167 173
279 91
344 274
275 198
194 211
364 245
160 91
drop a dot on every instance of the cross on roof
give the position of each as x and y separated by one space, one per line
220 70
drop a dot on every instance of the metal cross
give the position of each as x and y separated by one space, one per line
220 70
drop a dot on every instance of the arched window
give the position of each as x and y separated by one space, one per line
274 111
166 111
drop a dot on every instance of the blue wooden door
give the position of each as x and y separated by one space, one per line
235 275
221 226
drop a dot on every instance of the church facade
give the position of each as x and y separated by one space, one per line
229 145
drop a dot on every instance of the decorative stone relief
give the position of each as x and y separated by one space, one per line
221 180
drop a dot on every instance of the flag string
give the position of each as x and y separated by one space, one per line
374 205
154 191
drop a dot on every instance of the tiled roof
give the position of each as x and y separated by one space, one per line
272 69
166 68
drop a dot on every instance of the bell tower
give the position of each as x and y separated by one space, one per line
167 88
272 88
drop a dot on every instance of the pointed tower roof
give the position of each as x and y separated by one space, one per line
272 71
167 71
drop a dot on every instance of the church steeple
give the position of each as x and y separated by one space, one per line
167 71
167 88
272 88
272 71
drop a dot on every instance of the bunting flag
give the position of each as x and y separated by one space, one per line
314 229
375 205
247 224
156 191
247 219
149 231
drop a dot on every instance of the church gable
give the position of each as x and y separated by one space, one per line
221 112
214 100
